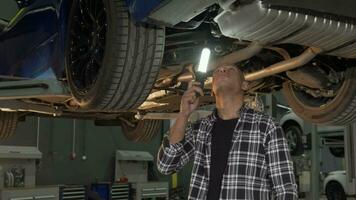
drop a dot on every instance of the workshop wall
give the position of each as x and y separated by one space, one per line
97 144
94 150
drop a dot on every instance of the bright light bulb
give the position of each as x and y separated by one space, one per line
204 60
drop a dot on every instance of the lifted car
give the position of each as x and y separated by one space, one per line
114 59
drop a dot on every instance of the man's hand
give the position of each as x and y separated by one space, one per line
190 100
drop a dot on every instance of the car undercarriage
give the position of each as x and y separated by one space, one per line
306 50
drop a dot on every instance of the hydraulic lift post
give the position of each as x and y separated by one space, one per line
315 168
350 160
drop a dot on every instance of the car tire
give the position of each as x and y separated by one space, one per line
141 131
341 110
8 123
111 62
293 134
334 191
338 152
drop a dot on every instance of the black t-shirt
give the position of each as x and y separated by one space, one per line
220 146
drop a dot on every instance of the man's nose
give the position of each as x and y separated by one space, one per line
222 69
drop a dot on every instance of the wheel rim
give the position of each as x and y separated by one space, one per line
138 130
336 195
129 125
86 43
337 152
311 101
292 139
338 111
317 102
335 191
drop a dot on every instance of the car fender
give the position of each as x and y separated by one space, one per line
337 176
291 116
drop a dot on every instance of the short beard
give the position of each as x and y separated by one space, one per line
225 89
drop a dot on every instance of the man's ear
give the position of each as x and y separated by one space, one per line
245 85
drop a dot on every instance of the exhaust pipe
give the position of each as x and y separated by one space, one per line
283 66
286 65
237 56
229 59
253 49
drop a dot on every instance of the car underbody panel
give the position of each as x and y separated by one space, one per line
270 26
343 9
304 48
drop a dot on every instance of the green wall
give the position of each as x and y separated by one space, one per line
98 144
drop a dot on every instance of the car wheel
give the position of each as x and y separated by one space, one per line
338 152
339 110
111 62
140 130
293 134
334 191
8 123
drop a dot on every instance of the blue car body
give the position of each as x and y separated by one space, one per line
33 45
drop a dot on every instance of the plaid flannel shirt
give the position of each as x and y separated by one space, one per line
258 167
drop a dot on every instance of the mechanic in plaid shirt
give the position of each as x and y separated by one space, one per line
238 153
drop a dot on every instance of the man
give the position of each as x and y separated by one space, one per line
238 153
